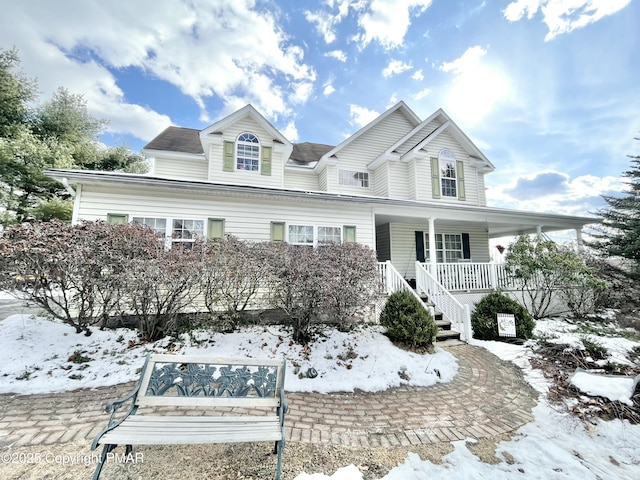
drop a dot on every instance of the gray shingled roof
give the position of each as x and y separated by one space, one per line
187 140
177 139
307 152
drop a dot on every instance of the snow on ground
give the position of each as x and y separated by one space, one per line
554 446
40 356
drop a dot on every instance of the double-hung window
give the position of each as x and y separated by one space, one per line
177 231
448 247
353 178
448 175
184 232
314 235
248 152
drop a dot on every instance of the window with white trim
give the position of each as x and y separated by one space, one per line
448 178
186 231
158 225
175 231
314 235
448 247
329 235
301 235
353 178
248 152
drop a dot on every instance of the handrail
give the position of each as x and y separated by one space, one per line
392 281
458 314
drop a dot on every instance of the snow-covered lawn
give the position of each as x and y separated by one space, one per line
37 355
40 356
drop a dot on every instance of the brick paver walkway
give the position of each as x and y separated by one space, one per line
488 397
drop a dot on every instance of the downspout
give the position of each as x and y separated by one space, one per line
67 187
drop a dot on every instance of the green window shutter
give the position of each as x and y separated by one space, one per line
460 175
277 232
228 156
265 168
215 228
435 178
117 218
349 234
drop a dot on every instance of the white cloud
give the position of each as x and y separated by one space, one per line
302 92
477 86
361 116
226 49
387 21
290 132
395 67
421 94
467 62
417 75
337 54
325 22
563 16
328 90
553 191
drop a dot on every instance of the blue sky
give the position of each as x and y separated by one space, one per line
549 90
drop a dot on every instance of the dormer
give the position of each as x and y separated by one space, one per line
244 148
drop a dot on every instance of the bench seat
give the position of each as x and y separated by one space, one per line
165 430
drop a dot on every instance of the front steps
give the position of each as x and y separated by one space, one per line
445 336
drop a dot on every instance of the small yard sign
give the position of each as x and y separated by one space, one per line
506 325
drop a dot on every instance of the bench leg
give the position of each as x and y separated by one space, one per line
278 449
103 457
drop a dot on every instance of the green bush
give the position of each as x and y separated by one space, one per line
484 319
407 321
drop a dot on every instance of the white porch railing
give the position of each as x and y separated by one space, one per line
465 276
392 281
459 315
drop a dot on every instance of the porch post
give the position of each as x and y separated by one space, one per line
539 232
432 248
579 238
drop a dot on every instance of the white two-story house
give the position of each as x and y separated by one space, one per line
413 190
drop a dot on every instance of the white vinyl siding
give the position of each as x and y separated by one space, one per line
381 180
364 149
300 180
399 181
418 137
183 168
403 244
241 177
248 219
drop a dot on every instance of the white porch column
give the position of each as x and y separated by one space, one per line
579 238
539 232
432 247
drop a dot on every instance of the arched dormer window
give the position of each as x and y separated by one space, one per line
448 177
248 152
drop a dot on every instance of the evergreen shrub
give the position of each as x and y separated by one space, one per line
407 321
484 320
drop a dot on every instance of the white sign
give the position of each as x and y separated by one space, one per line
506 325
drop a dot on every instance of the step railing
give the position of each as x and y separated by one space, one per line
458 314
391 281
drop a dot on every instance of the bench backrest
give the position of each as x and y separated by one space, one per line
181 380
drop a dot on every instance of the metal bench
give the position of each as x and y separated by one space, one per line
198 382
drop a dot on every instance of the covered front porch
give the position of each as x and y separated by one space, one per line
446 254
455 244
